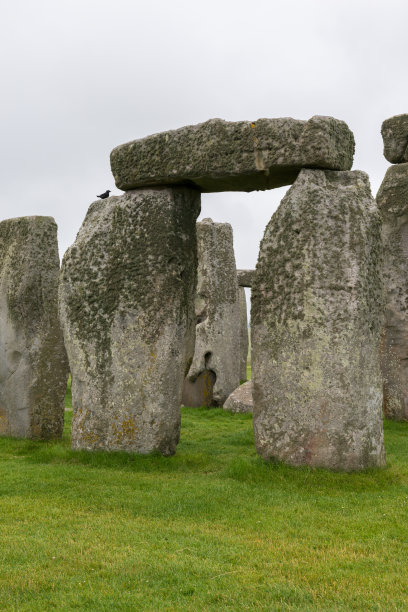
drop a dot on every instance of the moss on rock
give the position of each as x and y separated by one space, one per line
317 308
127 306
33 362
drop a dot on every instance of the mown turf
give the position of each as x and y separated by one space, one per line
212 528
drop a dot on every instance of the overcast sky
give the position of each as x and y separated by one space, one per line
79 77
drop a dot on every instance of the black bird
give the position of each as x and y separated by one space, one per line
104 195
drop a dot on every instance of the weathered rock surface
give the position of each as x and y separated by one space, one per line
243 330
127 308
217 347
245 277
240 400
234 156
395 136
200 391
317 311
33 362
392 200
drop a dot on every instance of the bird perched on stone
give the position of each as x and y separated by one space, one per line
104 195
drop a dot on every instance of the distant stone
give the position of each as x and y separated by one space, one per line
395 136
243 331
127 308
217 347
241 399
245 277
33 362
392 200
317 312
234 156
200 391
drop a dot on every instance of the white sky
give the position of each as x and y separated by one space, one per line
79 77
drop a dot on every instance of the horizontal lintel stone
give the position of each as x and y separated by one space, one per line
245 277
234 156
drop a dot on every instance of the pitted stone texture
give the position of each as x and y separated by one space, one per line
240 400
392 200
317 310
217 346
234 156
395 136
245 277
243 330
127 308
33 362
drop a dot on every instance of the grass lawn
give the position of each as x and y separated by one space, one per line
212 528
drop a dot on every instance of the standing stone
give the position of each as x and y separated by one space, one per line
234 156
243 329
392 200
127 309
317 306
395 136
217 347
199 392
33 362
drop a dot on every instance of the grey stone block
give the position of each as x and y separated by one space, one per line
234 156
33 362
317 312
217 347
395 136
245 277
127 309
240 400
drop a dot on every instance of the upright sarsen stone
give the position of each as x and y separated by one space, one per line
216 364
392 199
127 309
317 306
33 362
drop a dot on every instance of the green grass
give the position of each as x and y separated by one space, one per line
212 528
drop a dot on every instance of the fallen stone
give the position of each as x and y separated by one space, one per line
217 346
241 399
33 362
234 156
127 309
395 136
317 312
243 330
245 277
392 200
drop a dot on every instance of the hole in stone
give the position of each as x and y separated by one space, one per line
207 358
